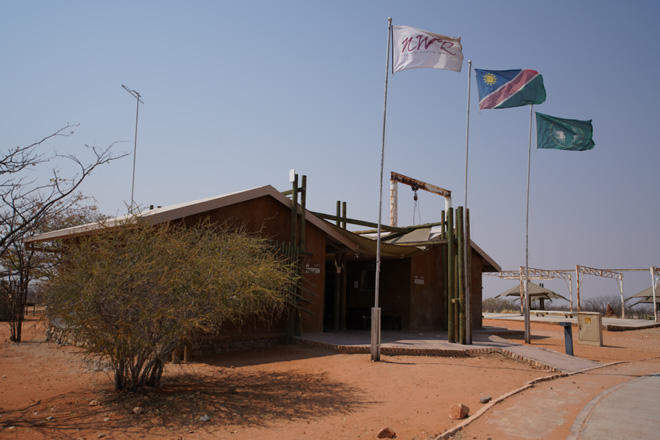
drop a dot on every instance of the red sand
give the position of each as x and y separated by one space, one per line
283 393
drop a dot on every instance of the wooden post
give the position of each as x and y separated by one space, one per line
342 292
445 290
342 278
337 298
468 281
294 246
461 274
303 207
451 334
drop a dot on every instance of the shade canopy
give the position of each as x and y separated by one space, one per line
646 296
535 292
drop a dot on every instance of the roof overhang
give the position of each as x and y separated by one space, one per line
182 210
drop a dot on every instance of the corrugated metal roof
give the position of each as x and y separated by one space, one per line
181 210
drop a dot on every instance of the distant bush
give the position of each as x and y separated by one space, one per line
599 305
498 305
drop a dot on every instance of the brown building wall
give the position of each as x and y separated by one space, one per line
427 303
271 219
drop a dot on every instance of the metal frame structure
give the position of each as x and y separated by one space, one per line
655 278
536 274
606 273
580 272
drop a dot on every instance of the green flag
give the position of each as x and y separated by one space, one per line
563 134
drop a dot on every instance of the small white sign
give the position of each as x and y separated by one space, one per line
313 269
419 279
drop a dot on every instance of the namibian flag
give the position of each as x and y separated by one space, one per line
509 88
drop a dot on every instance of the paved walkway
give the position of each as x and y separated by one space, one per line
435 344
611 324
628 410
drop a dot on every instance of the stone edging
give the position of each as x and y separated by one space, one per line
452 431
402 351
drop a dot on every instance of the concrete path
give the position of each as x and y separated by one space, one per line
611 324
618 401
628 410
435 344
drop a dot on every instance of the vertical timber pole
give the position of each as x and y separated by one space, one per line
303 207
394 202
342 277
291 319
451 334
338 269
443 236
468 280
461 274
375 312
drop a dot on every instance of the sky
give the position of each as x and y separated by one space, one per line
238 93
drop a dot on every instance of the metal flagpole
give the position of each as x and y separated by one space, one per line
528 338
468 323
375 311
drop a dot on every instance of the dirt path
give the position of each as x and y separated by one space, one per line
282 393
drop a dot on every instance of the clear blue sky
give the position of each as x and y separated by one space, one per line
237 93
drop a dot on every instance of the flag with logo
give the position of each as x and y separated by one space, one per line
509 88
415 48
563 134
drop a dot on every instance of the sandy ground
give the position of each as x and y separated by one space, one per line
52 392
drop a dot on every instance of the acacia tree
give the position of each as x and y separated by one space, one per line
132 293
24 265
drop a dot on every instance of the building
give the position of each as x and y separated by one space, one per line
337 266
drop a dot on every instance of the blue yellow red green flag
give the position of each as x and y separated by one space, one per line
563 134
509 88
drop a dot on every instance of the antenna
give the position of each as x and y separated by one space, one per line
137 96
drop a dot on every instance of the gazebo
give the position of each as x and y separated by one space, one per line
536 292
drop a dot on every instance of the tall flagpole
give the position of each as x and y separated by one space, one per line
468 319
528 338
375 312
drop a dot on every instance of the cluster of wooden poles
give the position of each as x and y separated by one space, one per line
456 272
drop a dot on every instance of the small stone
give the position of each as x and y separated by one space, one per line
94 402
101 435
50 418
386 433
458 411
107 419
485 399
138 410
231 389
204 418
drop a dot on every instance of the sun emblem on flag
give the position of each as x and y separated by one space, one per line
490 79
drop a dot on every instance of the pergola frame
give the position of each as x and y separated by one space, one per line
580 272
536 274
655 277
606 273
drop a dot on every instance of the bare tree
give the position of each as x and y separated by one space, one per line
23 265
30 204
24 199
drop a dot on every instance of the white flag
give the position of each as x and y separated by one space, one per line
415 48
